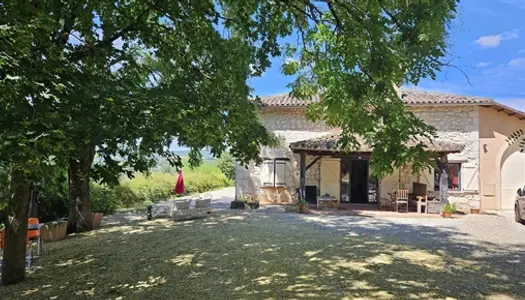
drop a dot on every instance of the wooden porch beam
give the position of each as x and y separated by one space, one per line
313 162
302 175
353 155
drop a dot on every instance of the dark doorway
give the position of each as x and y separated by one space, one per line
354 181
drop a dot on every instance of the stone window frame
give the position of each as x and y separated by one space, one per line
274 162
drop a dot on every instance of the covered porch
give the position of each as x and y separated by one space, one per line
346 178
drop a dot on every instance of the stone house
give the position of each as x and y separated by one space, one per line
484 170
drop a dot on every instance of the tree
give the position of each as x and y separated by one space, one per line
121 80
226 163
355 54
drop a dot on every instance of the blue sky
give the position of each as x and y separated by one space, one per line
487 42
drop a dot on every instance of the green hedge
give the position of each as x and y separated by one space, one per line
156 187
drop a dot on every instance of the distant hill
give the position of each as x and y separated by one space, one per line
206 155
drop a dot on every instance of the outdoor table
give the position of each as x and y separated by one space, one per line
35 226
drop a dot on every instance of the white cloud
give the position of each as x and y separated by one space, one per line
517 62
493 41
483 64
521 51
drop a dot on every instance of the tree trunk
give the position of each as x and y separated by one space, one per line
80 217
13 268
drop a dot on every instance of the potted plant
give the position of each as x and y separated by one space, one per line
301 205
250 201
475 210
97 219
330 205
448 210
53 231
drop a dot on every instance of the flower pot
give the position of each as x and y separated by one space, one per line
237 204
253 205
446 214
302 209
53 232
474 211
97 219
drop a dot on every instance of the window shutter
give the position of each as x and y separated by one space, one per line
280 171
469 178
267 173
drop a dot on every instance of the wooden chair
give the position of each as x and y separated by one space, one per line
401 198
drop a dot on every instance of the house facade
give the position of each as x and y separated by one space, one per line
484 170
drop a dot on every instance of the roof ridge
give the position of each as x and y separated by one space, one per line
436 93
409 97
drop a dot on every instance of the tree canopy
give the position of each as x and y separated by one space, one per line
121 80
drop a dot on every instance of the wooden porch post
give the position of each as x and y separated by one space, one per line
442 163
302 176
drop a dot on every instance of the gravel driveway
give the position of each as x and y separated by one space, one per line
270 255
474 229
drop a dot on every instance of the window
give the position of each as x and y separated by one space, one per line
273 172
454 177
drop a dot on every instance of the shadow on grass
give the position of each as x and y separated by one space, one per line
274 256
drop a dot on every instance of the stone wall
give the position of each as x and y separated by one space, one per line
465 200
290 125
458 124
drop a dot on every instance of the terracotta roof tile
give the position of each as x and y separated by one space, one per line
328 143
427 98
410 97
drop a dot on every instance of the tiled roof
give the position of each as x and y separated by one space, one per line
328 143
286 100
410 97
427 98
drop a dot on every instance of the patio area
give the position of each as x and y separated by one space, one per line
284 255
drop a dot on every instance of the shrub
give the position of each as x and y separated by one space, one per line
450 207
103 200
158 186
226 164
153 188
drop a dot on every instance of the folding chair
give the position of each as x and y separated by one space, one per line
29 252
34 234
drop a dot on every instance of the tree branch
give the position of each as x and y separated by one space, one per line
312 17
336 17
448 64
86 50
63 36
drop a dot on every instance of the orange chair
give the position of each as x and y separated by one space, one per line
2 238
34 234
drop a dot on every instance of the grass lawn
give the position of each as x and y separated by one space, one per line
266 256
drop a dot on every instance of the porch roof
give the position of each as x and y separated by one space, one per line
329 143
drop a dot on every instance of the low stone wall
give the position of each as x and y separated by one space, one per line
464 200
275 195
